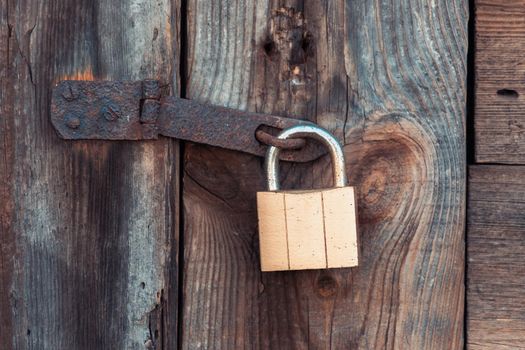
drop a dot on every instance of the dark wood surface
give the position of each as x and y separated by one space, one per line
496 223
388 79
499 122
88 235
496 268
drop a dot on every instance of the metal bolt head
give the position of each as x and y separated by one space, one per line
72 121
70 92
111 112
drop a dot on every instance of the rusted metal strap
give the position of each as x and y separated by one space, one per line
135 110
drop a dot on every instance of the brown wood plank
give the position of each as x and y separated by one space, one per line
496 268
88 229
499 121
388 79
7 231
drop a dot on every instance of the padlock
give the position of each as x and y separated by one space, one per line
307 229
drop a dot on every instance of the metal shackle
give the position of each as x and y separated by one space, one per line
271 163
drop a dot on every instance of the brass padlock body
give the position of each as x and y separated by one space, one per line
307 229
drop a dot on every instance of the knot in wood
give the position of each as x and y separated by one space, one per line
326 286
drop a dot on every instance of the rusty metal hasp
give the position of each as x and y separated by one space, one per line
136 110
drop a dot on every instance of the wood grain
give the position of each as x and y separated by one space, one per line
7 207
496 269
88 229
499 122
388 79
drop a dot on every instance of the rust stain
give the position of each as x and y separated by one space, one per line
85 74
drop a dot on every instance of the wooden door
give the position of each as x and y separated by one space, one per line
101 246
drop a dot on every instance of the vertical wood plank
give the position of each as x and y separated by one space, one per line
7 173
496 269
89 228
388 79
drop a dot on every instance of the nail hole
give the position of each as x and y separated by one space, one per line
28 332
508 93
269 47
155 34
305 44
142 285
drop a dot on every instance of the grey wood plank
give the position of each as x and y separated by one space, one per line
388 79
89 229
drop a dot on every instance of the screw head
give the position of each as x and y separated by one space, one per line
70 92
72 121
110 112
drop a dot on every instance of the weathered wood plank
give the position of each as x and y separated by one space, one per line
7 232
388 79
88 228
496 269
499 123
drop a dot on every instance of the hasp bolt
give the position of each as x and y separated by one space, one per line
110 112
70 92
72 121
